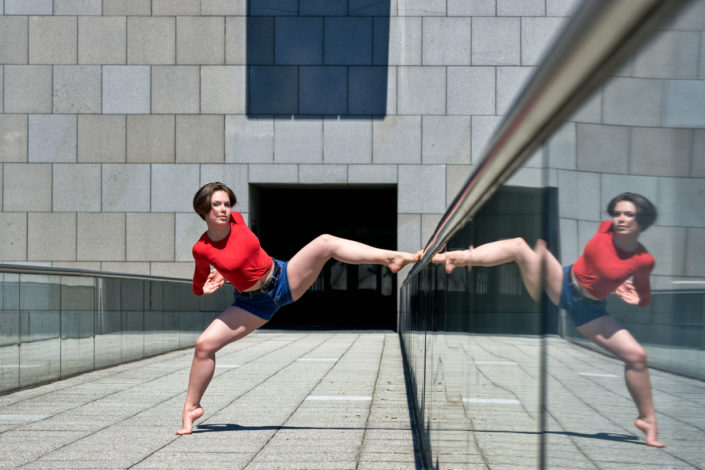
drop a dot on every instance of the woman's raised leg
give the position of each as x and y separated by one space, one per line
306 265
540 270
231 325
610 335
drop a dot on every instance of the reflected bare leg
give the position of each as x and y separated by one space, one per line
610 335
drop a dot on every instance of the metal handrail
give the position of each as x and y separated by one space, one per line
51 271
594 42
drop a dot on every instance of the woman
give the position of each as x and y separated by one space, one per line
262 284
610 259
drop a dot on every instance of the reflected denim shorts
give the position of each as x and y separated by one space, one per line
580 308
265 304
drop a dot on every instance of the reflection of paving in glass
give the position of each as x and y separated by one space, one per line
483 408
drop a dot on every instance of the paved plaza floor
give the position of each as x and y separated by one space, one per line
338 400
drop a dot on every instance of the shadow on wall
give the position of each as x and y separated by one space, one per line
317 57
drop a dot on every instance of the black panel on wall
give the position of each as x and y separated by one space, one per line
317 57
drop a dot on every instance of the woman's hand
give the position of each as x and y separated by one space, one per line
627 293
214 282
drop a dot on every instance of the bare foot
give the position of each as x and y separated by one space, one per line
454 259
401 259
650 429
188 418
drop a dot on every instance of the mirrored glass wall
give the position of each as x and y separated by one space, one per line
56 326
503 381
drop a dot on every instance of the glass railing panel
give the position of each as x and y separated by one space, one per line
9 331
40 326
133 320
108 322
77 324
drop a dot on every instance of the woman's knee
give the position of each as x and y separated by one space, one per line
205 346
635 357
326 242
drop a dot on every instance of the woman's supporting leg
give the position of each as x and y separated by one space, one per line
540 270
306 265
610 335
231 325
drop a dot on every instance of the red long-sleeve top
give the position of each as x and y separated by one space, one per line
603 267
238 257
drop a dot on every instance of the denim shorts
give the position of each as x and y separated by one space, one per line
580 308
265 304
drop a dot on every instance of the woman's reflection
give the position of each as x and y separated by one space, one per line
613 261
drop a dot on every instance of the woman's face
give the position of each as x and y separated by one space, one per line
220 209
624 218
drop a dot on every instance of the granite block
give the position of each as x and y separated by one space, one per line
274 8
151 40
102 40
695 252
537 36
684 103
698 165
272 90
405 41
668 245
446 139
51 237
660 152
14 40
323 90
27 89
169 187
76 187
13 138
100 237
483 128
187 229
561 7
298 141
472 7
471 90
298 41
125 187
602 148
422 8
223 89
126 89
422 189
224 7
562 147
348 40
151 139
200 139
347 141
101 138
236 46
323 174
52 138
200 40
127 7
409 232
580 196
259 40
29 7
78 7
634 102
421 90
175 89
20 176
14 242
273 173
324 8
672 54
521 7
680 201
496 41
140 242
249 140
446 41
456 177
77 89
372 174
53 40
176 7
397 139
370 90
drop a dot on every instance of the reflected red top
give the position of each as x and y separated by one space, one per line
238 257
603 267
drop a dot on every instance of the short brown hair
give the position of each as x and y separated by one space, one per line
645 211
202 199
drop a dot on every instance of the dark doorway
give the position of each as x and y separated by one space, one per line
285 218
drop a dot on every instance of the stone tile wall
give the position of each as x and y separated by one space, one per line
113 112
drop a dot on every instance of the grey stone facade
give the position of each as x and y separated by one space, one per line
115 111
